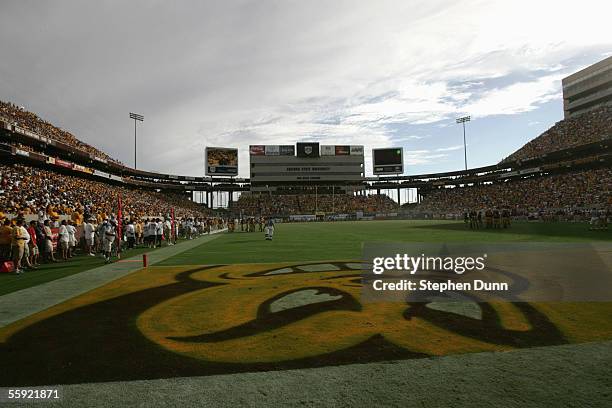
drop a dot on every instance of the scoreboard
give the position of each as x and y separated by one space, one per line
278 164
388 161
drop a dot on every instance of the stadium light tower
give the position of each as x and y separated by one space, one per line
462 120
139 118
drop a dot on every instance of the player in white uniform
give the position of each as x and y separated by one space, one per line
269 229
89 233
152 226
130 233
159 232
64 239
71 238
110 232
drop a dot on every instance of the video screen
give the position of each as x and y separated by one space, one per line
387 161
221 161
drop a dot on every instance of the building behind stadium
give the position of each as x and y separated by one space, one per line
588 89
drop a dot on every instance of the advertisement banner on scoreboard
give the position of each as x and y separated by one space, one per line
328 150
287 150
356 150
308 149
221 161
257 150
272 150
343 150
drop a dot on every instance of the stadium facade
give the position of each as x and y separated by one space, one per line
588 89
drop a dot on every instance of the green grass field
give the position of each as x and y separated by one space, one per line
318 241
238 303
48 272
343 240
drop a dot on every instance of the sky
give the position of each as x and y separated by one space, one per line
235 73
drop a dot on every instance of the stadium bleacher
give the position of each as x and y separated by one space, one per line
587 128
34 123
27 190
32 190
284 205
562 193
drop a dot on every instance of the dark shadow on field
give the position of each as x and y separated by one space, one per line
579 231
100 342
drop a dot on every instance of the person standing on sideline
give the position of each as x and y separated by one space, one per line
130 233
33 244
138 231
145 233
26 247
48 242
109 238
152 226
89 232
64 240
167 232
18 245
159 232
6 231
269 229
71 238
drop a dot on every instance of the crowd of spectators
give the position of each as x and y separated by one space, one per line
28 190
587 128
28 244
566 193
30 121
289 204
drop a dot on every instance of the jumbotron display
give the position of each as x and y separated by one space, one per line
221 161
388 161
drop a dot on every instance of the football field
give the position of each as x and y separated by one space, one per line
316 241
239 303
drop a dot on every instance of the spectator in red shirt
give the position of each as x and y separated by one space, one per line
33 245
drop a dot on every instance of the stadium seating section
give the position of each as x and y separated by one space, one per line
564 193
29 190
32 122
589 127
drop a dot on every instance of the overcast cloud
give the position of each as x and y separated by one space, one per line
234 73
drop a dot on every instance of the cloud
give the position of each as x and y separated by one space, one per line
238 73
423 157
449 149
516 98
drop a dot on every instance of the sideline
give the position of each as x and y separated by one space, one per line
17 305
555 376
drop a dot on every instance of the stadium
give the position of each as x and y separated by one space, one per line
123 286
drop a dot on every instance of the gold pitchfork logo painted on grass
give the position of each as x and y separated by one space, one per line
258 314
